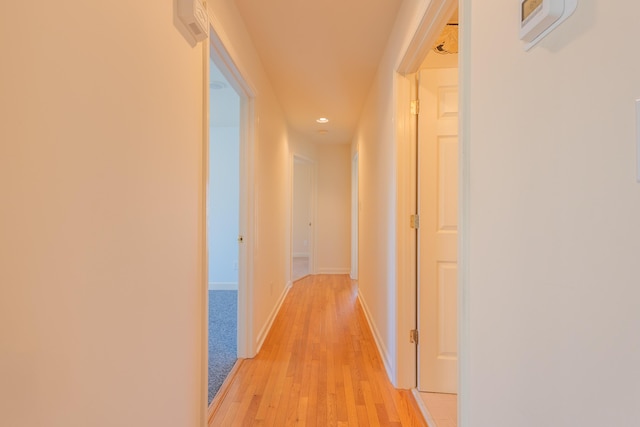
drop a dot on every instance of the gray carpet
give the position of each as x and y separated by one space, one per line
223 308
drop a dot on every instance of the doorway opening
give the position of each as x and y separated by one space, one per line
438 238
429 74
229 204
302 224
223 208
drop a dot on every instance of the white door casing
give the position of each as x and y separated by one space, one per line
355 203
303 212
226 62
438 231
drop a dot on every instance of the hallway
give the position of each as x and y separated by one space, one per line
319 366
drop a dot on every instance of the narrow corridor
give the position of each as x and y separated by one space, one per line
319 366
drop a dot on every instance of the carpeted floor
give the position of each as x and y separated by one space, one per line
223 308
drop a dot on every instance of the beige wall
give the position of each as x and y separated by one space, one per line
377 218
554 208
382 292
101 255
301 147
101 220
334 209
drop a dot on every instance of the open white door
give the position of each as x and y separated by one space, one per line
245 234
438 231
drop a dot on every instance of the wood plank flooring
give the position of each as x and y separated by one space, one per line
319 366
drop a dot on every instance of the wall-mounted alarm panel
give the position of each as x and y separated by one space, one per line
539 17
194 15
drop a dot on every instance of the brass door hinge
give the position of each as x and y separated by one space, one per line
415 107
415 221
413 336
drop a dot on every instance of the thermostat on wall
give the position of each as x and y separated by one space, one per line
539 17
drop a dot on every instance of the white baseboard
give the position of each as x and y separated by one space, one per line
382 349
223 286
267 327
330 270
423 408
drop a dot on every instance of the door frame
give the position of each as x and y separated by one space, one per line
215 48
312 211
355 207
223 60
434 17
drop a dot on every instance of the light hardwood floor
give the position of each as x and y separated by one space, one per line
319 366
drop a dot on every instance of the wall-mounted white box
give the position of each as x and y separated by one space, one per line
194 15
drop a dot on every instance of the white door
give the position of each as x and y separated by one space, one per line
438 230
302 233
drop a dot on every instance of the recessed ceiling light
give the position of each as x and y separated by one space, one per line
322 120
217 85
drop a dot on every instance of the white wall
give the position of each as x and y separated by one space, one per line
377 218
554 231
101 216
334 209
224 203
382 290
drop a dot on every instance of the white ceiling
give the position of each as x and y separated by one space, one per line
321 57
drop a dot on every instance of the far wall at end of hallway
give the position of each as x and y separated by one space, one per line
334 209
